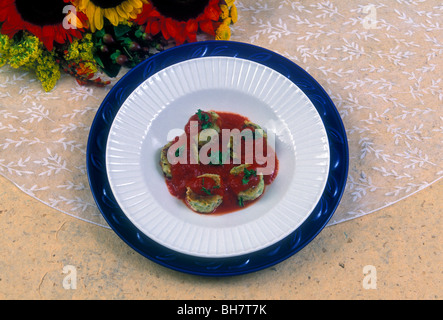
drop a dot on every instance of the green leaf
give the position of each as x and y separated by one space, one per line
99 61
127 41
107 64
100 33
139 33
121 30
115 55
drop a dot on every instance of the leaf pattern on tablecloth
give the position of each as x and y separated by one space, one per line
380 62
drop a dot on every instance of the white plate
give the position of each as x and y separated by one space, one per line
165 101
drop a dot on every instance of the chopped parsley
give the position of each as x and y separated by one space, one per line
179 151
206 190
248 174
204 119
240 202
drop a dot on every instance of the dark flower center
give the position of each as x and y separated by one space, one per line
41 13
105 4
180 10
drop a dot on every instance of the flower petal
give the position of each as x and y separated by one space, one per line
98 18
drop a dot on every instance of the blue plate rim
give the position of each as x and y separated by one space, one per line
225 266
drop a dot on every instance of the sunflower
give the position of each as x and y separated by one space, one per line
44 19
182 19
116 11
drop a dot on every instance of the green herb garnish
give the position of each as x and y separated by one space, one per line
204 119
206 190
179 151
240 202
248 174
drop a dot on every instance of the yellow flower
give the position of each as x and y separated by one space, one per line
72 52
224 11
223 32
80 49
86 47
229 2
116 11
24 52
90 66
47 70
234 14
5 44
227 21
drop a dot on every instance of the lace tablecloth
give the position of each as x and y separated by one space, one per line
379 61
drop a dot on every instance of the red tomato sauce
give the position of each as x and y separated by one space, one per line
185 174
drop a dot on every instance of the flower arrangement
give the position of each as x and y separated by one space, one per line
89 38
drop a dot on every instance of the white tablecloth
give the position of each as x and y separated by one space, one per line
380 62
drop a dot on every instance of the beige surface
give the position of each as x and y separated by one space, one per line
403 242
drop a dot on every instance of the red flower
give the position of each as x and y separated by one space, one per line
44 19
180 30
